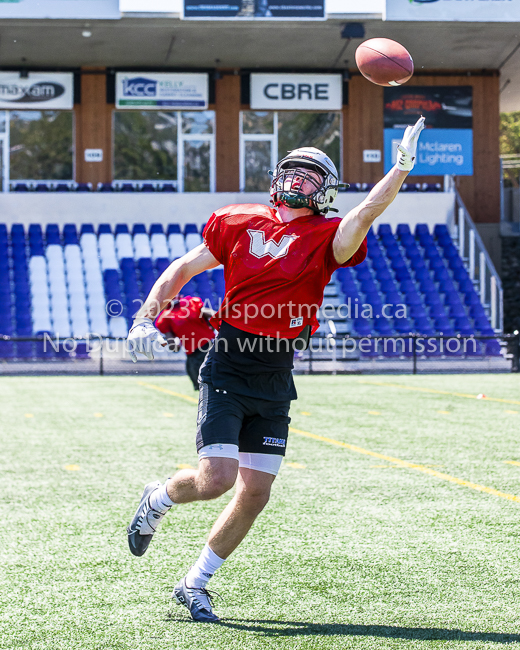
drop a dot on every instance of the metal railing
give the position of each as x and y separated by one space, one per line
332 354
480 267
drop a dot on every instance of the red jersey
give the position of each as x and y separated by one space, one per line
275 272
185 321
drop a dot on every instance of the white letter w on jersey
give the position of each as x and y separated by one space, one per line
260 248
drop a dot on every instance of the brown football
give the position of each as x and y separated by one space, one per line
384 62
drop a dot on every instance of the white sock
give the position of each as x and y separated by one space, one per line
204 568
160 501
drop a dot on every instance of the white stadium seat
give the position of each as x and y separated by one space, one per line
177 245
118 327
124 245
142 246
193 240
159 246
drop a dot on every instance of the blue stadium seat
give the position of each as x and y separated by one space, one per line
122 229
128 187
421 229
407 285
362 326
460 274
70 234
471 298
403 325
384 229
87 228
104 229
466 286
379 263
423 326
83 187
463 326
443 324
147 187
452 298
138 229
52 234
412 298
168 187
383 326
384 275
190 228
437 311
173 228
450 251
455 263
105 187
416 311
156 228
21 187
441 274
477 311
161 264
440 229
17 231
457 311
368 285
62 187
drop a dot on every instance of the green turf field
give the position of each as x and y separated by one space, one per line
406 534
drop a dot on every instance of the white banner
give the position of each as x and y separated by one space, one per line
75 9
40 90
296 92
160 90
501 11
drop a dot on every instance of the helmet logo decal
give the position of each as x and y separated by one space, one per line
259 248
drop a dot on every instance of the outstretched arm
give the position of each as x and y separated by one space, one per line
143 334
354 227
174 278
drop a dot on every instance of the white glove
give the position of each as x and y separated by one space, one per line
407 150
141 337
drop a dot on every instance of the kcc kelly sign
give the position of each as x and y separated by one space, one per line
302 92
148 90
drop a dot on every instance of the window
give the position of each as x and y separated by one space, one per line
40 145
175 146
267 136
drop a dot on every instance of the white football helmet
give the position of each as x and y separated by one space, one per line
309 158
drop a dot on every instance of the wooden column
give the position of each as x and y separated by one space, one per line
362 129
93 128
227 107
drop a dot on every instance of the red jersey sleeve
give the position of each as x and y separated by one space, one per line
356 259
212 237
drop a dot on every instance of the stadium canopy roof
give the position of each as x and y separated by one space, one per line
157 41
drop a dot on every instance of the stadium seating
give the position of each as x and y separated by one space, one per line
75 280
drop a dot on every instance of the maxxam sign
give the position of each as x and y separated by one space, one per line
453 10
48 90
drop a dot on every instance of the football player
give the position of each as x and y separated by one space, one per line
277 261
185 322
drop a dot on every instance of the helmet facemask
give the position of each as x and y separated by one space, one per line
292 168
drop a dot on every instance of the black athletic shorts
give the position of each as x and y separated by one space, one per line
256 425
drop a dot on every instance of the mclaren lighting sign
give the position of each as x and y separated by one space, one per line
39 90
148 90
446 144
296 92
501 11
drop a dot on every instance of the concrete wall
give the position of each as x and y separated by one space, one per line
97 207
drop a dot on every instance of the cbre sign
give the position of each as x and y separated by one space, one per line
471 11
296 92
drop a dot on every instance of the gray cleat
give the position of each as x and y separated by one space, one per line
145 522
197 600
